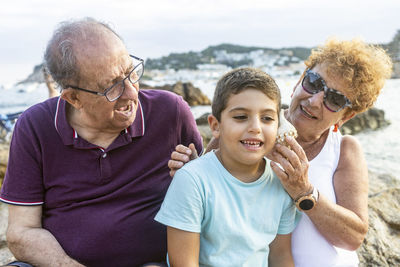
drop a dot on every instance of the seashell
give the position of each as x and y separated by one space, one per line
285 129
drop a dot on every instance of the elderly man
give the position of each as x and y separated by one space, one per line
88 170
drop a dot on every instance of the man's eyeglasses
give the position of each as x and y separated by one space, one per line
333 100
117 89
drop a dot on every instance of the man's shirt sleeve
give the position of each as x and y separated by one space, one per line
23 182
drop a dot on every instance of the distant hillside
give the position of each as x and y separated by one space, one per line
394 50
237 55
300 52
227 54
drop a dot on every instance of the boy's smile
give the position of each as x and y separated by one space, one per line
252 144
246 132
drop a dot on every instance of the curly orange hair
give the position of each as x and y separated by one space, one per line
362 67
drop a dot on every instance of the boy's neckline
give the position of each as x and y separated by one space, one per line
242 177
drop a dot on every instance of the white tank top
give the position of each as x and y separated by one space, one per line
309 247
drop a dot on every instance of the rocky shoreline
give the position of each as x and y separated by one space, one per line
5 254
381 246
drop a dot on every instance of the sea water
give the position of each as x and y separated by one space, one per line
381 147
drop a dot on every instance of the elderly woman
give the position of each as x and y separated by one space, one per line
324 172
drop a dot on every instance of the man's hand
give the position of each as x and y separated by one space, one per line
180 156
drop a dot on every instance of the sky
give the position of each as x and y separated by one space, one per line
154 28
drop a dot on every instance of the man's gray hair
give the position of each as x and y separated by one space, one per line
59 57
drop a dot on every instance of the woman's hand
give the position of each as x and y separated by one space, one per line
293 169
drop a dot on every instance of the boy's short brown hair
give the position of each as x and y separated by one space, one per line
238 80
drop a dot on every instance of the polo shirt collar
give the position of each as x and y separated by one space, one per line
69 136
138 126
66 132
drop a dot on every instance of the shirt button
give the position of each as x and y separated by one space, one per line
104 155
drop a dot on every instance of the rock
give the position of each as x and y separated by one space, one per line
35 76
371 119
396 69
284 106
393 47
203 119
205 133
4 147
381 246
190 94
380 183
193 95
5 254
204 128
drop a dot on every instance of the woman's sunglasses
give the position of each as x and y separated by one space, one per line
333 100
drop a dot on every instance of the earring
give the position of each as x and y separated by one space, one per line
336 128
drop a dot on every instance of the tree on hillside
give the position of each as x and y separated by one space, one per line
394 47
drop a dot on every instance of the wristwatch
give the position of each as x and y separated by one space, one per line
307 202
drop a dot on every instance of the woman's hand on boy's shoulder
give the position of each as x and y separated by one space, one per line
180 157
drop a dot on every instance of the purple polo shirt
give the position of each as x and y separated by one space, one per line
100 203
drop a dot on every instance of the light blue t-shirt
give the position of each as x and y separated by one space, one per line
237 221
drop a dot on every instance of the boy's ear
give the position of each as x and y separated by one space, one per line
214 125
71 97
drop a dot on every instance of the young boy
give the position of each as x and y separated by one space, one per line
227 208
